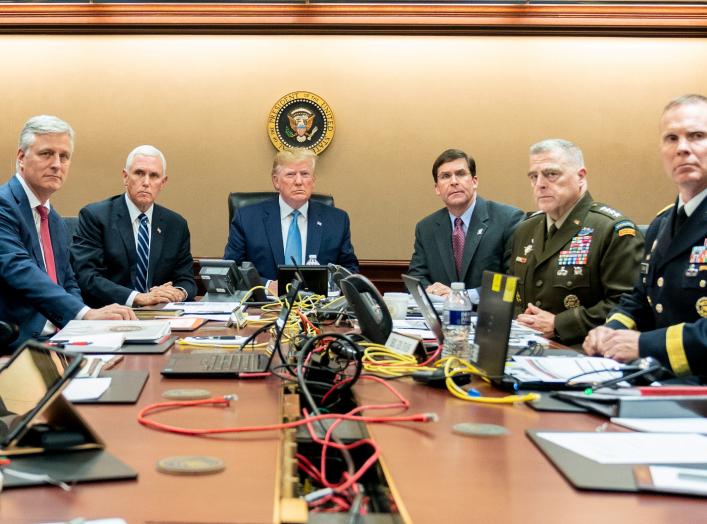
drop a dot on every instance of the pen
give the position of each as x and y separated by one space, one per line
113 362
699 477
220 337
69 343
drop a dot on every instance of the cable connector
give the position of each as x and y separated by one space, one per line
316 495
430 417
230 396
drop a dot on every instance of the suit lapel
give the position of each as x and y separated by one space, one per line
157 236
28 219
314 230
123 228
474 234
273 231
692 233
444 244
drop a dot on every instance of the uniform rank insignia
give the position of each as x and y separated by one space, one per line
609 211
527 249
698 255
578 252
701 307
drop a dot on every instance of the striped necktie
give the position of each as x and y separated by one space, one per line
46 241
143 254
458 244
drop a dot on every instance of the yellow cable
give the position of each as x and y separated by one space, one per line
461 366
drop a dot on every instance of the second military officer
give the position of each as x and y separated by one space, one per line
574 257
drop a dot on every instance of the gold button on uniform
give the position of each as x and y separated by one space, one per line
703 283
539 283
539 303
659 308
660 282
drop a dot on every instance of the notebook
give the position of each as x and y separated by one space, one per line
202 364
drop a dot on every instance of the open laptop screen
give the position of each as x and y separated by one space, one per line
31 378
423 301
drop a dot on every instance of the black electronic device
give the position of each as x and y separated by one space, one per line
336 273
250 278
202 364
425 305
437 378
221 279
316 278
367 303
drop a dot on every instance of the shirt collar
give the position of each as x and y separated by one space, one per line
33 200
558 223
465 216
693 203
286 210
135 212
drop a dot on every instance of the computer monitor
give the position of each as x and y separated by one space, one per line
220 278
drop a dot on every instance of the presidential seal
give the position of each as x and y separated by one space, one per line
301 120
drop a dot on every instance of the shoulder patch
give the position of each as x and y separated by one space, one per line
624 224
666 208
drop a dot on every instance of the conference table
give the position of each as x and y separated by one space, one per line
435 474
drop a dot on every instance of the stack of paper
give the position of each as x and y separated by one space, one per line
562 369
134 331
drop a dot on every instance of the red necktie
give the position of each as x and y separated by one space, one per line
458 244
46 241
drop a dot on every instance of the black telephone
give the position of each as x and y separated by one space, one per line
250 278
369 307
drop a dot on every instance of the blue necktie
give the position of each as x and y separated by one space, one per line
293 249
143 254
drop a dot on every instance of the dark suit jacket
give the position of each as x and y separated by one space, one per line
487 245
668 304
104 256
256 235
28 297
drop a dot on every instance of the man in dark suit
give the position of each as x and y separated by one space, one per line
38 291
129 250
272 232
469 235
665 316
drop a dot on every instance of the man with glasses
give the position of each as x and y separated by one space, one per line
290 226
574 257
470 234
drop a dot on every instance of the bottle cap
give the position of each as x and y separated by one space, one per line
458 286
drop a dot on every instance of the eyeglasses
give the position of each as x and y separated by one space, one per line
461 175
549 175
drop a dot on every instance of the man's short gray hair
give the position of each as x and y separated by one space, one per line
685 100
43 125
571 151
146 150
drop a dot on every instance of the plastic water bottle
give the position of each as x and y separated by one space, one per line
457 323
312 261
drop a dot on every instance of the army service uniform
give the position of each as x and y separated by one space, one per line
669 303
580 273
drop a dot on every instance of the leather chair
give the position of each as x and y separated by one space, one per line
236 200
72 224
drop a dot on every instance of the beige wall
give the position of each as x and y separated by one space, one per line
398 101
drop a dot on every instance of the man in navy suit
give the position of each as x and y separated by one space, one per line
38 291
106 251
470 234
665 316
292 225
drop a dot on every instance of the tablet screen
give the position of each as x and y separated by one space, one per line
30 379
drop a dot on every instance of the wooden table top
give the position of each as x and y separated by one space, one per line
439 476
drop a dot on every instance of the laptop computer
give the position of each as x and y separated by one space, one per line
201 364
493 327
425 305
316 278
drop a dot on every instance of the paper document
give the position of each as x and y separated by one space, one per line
679 480
134 331
106 342
664 425
204 308
561 369
634 448
216 341
86 388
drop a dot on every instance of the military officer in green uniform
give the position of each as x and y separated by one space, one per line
574 257
665 316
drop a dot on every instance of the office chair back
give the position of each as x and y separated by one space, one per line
236 200
72 224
